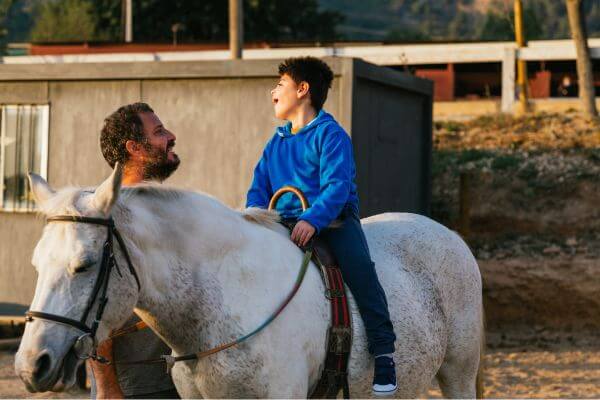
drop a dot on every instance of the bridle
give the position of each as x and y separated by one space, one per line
85 345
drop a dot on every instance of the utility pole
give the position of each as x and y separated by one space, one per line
176 28
236 28
585 73
521 64
128 11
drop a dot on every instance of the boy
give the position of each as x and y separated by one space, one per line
313 153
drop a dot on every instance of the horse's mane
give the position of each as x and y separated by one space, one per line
66 199
153 191
261 216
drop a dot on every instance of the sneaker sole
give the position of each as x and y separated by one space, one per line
384 394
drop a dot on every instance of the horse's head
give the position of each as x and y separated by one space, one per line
69 259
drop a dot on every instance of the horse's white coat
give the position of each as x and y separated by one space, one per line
210 274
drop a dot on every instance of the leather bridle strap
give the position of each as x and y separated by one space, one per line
99 292
30 315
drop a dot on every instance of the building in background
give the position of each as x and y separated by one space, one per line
479 73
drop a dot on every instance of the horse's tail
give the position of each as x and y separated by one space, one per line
481 369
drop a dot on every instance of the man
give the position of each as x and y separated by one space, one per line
135 137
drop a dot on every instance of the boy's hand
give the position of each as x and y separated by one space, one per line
302 233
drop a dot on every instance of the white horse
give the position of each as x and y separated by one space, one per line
210 274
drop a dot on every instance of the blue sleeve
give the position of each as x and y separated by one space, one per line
336 161
260 191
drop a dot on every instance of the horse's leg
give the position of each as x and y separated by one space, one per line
458 373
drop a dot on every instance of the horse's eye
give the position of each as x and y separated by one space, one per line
83 267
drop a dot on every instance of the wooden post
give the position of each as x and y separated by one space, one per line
464 212
508 80
128 21
585 74
521 64
236 28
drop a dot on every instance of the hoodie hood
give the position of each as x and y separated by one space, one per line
285 131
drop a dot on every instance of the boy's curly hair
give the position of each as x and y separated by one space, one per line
312 70
119 127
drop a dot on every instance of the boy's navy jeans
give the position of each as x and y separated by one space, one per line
351 251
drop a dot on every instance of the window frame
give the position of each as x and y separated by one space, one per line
45 138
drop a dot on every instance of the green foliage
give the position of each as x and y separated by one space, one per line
450 126
462 25
406 35
445 160
20 20
528 173
321 20
505 161
66 20
264 20
275 20
473 155
500 26
4 8
108 14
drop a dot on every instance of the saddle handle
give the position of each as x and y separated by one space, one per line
288 189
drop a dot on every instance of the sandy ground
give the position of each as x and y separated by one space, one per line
523 372
541 374
11 387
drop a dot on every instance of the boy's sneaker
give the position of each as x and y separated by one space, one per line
384 378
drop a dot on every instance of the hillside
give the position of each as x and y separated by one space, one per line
383 20
418 20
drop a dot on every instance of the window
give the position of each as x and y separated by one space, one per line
23 149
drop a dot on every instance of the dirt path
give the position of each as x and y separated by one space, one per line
541 374
523 373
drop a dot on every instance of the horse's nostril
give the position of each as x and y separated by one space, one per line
42 367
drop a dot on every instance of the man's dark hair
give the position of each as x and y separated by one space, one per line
315 72
119 127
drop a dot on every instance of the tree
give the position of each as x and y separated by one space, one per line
585 74
264 20
4 8
65 20
499 26
300 20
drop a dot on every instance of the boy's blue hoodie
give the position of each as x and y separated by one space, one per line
318 160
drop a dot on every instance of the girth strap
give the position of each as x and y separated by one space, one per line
335 374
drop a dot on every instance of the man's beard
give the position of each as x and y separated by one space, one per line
159 167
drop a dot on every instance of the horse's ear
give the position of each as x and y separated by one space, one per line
40 188
107 193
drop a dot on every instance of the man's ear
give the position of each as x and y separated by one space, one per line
303 88
132 147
